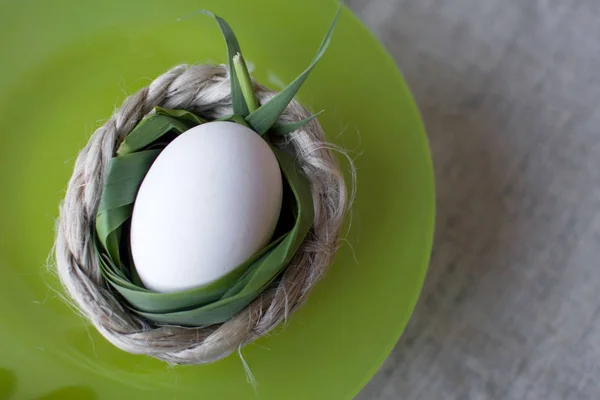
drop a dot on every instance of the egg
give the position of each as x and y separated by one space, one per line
209 202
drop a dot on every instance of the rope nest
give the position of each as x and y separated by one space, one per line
204 90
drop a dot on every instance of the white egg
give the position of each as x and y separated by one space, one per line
210 201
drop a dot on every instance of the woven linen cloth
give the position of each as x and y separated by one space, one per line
510 95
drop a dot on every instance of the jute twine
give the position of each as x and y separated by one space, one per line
204 90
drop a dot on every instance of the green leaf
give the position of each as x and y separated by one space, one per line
155 126
182 115
233 48
267 114
145 301
234 118
225 118
124 177
240 120
241 70
284 129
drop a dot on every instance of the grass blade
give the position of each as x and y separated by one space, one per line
285 129
241 70
233 48
267 114
155 126
125 175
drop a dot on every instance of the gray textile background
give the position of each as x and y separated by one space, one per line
510 95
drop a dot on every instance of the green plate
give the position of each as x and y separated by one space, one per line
66 64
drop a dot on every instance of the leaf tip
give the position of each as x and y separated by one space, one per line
190 15
206 12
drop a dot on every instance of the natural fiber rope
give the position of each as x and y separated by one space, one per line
204 90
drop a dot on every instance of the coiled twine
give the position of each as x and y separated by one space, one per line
204 90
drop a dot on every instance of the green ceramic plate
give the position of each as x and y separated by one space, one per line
64 66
